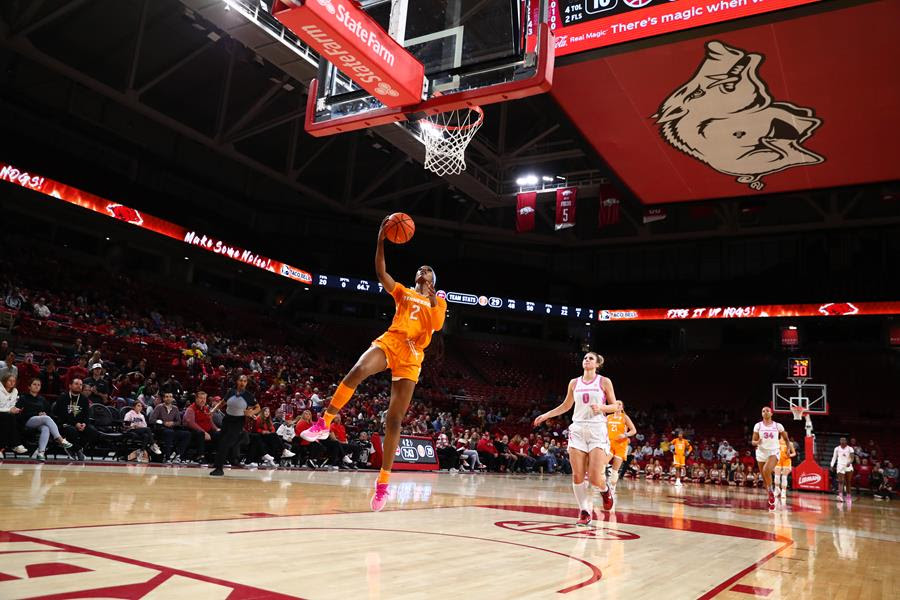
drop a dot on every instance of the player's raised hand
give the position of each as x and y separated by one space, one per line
429 289
381 228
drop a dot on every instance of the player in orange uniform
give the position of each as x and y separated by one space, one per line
680 449
620 430
784 466
418 314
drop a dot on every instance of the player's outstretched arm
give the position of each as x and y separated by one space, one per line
755 440
566 405
387 282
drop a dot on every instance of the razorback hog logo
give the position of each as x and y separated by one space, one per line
125 213
837 309
725 117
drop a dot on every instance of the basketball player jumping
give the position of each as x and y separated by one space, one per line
842 461
593 398
783 468
418 314
620 430
766 434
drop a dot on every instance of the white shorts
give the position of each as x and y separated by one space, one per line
841 469
587 436
762 454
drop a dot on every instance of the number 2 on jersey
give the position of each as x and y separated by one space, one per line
414 310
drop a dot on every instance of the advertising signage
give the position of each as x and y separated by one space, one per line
580 25
126 214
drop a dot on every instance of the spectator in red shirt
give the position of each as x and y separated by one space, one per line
28 372
198 420
337 446
76 371
487 452
519 448
265 444
309 452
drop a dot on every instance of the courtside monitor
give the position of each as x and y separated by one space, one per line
473 52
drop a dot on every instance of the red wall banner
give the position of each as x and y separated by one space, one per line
565 207
754 110
343 34
525 207
116 210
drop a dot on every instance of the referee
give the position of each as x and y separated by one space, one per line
239 404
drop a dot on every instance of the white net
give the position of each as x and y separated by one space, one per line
446 136
798 412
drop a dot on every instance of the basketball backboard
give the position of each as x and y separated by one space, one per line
813 397
474 52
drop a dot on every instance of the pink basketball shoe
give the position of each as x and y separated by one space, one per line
380 498
318 431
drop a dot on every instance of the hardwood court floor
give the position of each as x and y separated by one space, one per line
164 532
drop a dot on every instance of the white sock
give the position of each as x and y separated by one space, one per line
583 495
784 482
614 477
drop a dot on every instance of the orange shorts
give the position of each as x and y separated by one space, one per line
404 359
678 461
784 464
619 449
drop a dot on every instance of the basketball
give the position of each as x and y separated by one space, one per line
399 228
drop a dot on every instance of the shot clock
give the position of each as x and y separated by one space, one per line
799 368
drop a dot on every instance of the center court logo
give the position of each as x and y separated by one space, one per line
568 530
810 479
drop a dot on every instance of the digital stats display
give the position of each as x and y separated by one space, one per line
580 25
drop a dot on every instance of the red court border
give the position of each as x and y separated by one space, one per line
647 520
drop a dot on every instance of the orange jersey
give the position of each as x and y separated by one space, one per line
414 317
680 447
615 425
785 455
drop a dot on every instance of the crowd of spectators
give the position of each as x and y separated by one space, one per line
159 376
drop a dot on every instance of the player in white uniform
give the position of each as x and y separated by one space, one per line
843 458
766 434
593 398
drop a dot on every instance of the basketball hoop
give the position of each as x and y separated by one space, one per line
798 412
446 136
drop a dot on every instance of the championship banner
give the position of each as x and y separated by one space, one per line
343 34
525 206
126 214
656 213
565 208
413 454
609 206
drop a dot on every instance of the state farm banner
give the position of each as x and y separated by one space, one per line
343 34
609 206
120 212
828 309
525 206
565 208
